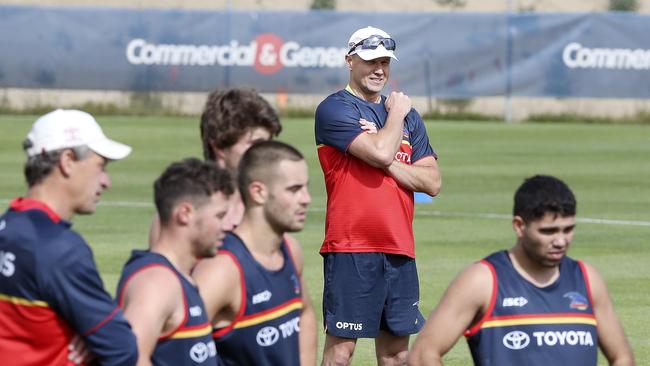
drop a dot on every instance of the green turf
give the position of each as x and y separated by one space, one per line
482 163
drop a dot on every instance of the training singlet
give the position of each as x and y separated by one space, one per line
266 329
367 210
50 290
191 343
533 326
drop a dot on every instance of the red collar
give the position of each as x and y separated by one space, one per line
24 204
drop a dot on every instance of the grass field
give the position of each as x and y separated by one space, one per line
608 167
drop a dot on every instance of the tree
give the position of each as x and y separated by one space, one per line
623 5
452 3
323 4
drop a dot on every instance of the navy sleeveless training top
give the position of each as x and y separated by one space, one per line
529 325
190 343
266 329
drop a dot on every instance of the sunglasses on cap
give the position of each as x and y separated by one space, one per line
373 42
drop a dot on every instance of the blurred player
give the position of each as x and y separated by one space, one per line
530 305
254 290
156 291
50 289
371 286
232 120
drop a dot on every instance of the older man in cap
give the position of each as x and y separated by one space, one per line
50 290
370 280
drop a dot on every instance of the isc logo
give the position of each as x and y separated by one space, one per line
514 301
7 267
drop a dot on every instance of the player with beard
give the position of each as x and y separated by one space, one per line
254 290
159 297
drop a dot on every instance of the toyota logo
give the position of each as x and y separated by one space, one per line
199 352
267 336
516 340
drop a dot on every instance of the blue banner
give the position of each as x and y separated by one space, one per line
446 55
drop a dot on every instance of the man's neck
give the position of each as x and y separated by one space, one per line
261 240
357 92
53 197
176 250
538 275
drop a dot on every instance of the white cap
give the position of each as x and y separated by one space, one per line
67 128
369 54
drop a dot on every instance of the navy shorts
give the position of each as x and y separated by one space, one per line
366 292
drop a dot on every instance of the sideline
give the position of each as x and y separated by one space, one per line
474 215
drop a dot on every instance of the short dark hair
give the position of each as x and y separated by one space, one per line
259 163
191 179
229 113
542 194
39 166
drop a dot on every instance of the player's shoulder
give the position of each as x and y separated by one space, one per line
335 101
414 116
478 275
220 275
142 276
223 267
64 247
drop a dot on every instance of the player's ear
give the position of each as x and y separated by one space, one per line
348 61
518 225
219 154
183 212
66 162
258 192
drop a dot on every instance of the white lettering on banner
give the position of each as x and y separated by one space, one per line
562 338
7 266
575 56
264 54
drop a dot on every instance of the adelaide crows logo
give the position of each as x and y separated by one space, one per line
578 301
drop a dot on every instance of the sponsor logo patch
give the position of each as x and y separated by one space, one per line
516 340
578 301
7 266
196 311
514 301
267 336
200 351
263 296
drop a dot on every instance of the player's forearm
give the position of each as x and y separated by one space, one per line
416 178
308 337
385 143
422 357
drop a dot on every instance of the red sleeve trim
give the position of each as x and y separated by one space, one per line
488 314
144 268
242 304
585 275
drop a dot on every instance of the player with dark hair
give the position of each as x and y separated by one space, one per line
50 289
232 120
254 290
156 291
371 284
532 304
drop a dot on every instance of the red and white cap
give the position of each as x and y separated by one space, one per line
67 128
